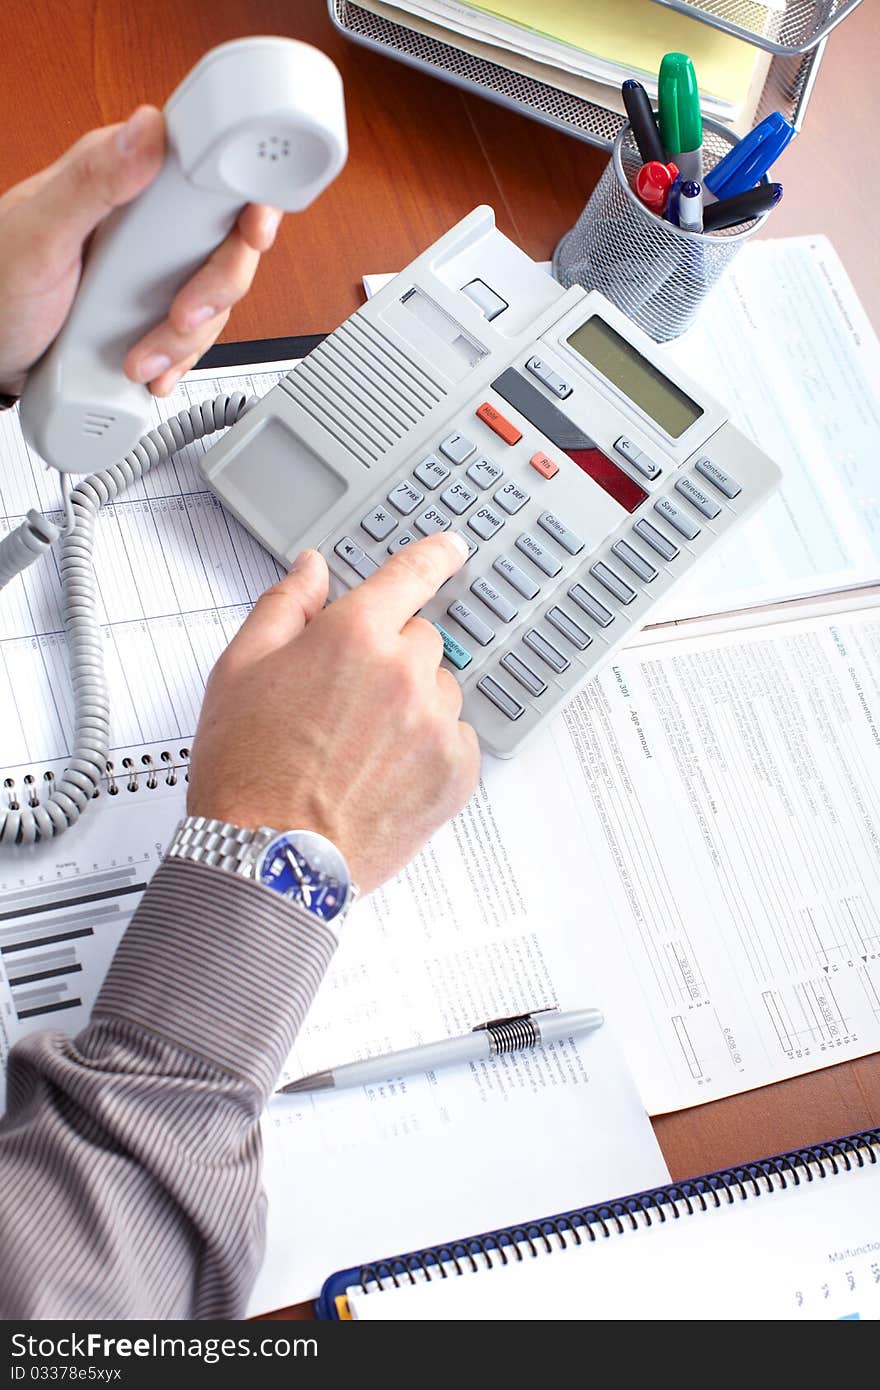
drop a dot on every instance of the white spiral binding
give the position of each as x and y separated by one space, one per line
40 820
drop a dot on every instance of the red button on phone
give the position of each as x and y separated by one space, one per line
503 428
544 465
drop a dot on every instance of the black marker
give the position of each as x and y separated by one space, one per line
641 118
742 207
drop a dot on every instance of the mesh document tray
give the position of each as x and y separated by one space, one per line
795 28
787 89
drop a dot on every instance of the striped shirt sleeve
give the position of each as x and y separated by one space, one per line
130 1155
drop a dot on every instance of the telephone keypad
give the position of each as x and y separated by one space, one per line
527 653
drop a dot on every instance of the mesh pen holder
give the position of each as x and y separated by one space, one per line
654 272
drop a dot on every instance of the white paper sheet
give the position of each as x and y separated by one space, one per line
176 576
727 790
803 1252
785 343
479 926
65 904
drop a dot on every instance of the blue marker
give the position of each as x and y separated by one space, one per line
748 161
671 213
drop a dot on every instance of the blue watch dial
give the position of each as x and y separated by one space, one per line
307 869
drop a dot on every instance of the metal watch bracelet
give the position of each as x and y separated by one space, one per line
218 843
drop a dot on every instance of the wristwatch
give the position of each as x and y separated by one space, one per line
304 867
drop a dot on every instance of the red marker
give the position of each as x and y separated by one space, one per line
653 182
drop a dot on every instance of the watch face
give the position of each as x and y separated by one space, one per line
308 869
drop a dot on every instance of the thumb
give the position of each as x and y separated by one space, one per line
283 611
103 170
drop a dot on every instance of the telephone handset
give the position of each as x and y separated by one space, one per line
258 120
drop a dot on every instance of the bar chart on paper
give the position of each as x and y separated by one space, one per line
64 907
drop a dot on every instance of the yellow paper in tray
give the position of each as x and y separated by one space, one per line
636 34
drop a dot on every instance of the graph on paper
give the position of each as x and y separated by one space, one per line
63 909
175 576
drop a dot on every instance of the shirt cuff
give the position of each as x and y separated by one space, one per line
220 966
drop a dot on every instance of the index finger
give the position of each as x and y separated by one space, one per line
403 585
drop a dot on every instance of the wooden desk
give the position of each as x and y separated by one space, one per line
422 155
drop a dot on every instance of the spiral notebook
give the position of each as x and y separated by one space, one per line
794 1235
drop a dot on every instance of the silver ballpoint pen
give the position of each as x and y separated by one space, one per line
487 1040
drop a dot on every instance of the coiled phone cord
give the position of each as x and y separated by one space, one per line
35 536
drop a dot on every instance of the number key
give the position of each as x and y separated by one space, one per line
458 497
432 521
405 498
485 522
511 497
484 472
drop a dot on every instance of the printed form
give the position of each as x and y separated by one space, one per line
726 789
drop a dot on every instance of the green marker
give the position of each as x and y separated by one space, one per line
681 124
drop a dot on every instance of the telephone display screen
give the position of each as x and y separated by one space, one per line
660 399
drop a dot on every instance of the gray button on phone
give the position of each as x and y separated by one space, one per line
378 523
560 532
431 521
405 498
539 368
698 498
646 466
431 472
352 554
549 654
527 678
400 542
500 606
500 697
665 507
516 578
458 497
563 623
484 472
485 522
590 605
612 582
538 554
511 497
468 619
656 540
723 481
634 561
457 448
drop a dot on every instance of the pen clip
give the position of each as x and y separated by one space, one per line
512 1018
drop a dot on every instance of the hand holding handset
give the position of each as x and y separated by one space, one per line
257 120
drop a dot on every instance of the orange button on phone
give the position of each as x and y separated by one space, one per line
544 465
503 428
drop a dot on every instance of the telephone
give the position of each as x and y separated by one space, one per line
587 473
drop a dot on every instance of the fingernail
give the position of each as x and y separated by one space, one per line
459 542
154 365
207 311
129 136
303 560
272 221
